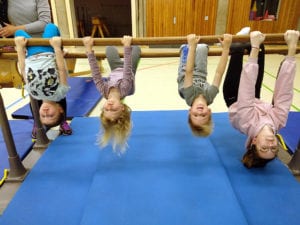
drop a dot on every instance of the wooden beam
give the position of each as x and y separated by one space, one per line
210 39
158 53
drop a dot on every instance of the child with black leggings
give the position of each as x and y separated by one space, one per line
259 120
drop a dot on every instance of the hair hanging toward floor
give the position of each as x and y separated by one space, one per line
251 158
117 131
201 131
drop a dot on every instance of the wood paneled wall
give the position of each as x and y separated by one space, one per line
180 17
238 17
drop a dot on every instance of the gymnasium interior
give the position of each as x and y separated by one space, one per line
166 175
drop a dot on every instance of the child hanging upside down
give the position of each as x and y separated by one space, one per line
116 115
192 83
260 120
45 75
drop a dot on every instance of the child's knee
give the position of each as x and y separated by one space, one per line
51 30
51 26
110 50
202 49
136 49
22 33
183 47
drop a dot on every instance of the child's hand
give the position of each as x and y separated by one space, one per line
192 39
88 42
20 42
256 38
126 40
291 38
226 42
56 42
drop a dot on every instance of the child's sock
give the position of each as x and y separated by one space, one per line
244 31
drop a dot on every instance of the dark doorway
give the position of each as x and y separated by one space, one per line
264 10
115 14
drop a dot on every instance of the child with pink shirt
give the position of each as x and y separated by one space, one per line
260 120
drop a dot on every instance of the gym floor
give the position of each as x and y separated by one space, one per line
156 89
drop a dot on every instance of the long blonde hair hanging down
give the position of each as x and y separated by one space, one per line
117 131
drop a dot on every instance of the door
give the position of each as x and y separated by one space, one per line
180 17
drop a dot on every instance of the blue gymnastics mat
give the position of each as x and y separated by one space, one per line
291 132
167 176
81 99
21 132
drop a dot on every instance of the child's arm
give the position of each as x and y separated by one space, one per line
246 92
283 92
192 40
227 39
88 42
55 42
21 52
126 41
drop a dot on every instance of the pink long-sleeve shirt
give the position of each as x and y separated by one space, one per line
120 78
249 114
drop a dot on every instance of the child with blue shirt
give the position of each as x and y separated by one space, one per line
45 74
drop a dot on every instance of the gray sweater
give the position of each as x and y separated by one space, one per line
34 14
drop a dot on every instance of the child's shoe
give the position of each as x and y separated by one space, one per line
65 129
244 31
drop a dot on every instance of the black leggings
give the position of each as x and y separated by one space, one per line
233 75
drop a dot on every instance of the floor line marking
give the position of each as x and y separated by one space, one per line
275 77
145 68
269 89
15 102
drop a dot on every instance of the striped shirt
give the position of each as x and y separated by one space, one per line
120 78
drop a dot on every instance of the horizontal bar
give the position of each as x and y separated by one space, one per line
159 53
270 38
